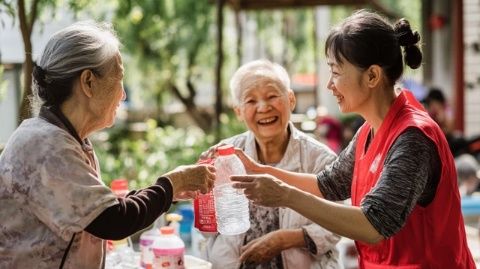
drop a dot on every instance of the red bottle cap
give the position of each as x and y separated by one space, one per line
226 150
120 184
167 230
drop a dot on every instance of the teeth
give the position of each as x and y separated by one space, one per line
269 120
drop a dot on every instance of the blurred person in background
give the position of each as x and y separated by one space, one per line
397 170
278 237
56 211
468 171
437 107
328 129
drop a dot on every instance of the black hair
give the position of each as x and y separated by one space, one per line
365 39
435 94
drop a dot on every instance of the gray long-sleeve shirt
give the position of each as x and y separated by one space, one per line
410 176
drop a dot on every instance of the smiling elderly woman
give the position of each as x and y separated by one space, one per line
56 212
278 237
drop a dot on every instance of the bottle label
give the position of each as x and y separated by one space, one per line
204 208
146 253
169 258
146 242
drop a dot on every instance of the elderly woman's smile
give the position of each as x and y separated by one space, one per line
268 121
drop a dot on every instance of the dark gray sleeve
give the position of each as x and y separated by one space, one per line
336 180
135 212
409 177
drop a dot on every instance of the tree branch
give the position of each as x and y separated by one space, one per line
22 18
33 15
191 89
178 94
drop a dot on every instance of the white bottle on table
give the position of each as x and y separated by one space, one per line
168 250
147 239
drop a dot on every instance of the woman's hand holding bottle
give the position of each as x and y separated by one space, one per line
263 189
188 179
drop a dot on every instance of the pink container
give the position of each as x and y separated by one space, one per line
168 250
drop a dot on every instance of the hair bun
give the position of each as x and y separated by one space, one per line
42 85
406 37
39 75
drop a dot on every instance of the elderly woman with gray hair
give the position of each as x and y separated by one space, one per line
278 237
56 211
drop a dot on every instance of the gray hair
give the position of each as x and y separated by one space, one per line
467 166
81 46
257 73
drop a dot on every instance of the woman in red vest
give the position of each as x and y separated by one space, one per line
397 170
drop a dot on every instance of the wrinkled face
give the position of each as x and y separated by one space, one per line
266 110
109 93
346 84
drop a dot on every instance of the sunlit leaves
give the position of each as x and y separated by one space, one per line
145 154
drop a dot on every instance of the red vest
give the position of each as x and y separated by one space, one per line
433 236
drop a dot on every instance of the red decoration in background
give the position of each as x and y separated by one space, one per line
437 21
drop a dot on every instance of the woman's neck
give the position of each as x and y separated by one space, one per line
77 117
378 108
272 150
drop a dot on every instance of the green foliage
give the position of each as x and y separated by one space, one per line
409 9
158 150
171 41
287 37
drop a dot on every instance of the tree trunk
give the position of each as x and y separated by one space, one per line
316 58
26 27
201 118
287 33
25 110
218 69
239 28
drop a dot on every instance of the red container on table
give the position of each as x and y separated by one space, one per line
204 209
119 187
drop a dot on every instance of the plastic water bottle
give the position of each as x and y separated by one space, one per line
231 205
168 250
204 209
120 253
147 239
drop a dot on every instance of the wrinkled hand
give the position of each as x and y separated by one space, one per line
263 190
251 166
262 249
188 179
211 153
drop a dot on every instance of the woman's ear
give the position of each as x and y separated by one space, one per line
373 75
86 82
292 101
238 113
